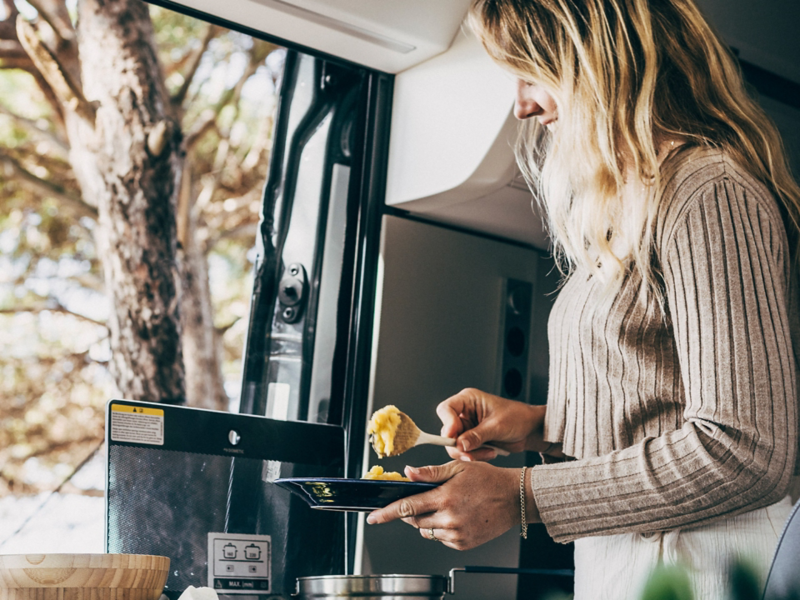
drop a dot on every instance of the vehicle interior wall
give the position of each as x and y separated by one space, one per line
763 33
787 118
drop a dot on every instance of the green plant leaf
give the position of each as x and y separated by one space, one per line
668 583
743 583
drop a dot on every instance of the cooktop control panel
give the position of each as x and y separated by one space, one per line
239 563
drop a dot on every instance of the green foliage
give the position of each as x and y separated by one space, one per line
668 583
672 583
176 34
23 97
558 596
51 406
744 583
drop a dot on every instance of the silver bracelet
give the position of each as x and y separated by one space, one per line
523 523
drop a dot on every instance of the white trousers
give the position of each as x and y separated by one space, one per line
616 567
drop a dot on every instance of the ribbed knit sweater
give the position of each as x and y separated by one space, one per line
688 414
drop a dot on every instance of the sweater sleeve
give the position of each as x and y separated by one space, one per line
724 259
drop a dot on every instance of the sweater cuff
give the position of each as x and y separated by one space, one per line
544 477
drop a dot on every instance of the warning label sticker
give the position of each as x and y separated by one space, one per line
137 424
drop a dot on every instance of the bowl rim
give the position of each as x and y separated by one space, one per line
80 556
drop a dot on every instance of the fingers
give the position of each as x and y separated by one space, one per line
437 535
479 454
476 503
426 521
449 412
405 508
434 473
430 528
413 521
474 438
464 417
418 504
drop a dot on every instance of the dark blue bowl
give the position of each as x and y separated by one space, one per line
362 495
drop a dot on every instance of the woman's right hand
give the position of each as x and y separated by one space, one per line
475 418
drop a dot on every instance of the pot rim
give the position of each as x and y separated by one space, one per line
373 576
374 585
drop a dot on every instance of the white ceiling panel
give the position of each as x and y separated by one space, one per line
387 35
393 35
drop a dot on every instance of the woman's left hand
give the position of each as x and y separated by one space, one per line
476 503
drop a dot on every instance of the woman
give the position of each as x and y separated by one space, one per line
670 432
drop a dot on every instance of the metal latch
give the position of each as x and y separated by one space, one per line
292 293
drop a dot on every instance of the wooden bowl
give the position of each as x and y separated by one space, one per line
82 576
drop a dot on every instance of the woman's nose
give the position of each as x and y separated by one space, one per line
526 110
525 106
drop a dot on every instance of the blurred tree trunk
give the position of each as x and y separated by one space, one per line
201 343
128 161
106 83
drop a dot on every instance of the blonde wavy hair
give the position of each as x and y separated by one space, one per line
629 77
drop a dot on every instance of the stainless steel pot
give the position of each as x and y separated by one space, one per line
373 587
397 587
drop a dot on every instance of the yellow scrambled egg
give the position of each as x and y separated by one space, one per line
383 427
377 472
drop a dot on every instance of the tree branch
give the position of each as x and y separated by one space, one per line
52 99
177 65
56 18
45 307
231 95
248 229
58 77
71 488
24 63
261 145
209 184
57 33
183 210
221 330
32 127
48 360
202 125
89 281
194 63
55 447
48 187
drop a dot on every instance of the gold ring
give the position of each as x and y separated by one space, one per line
432 535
